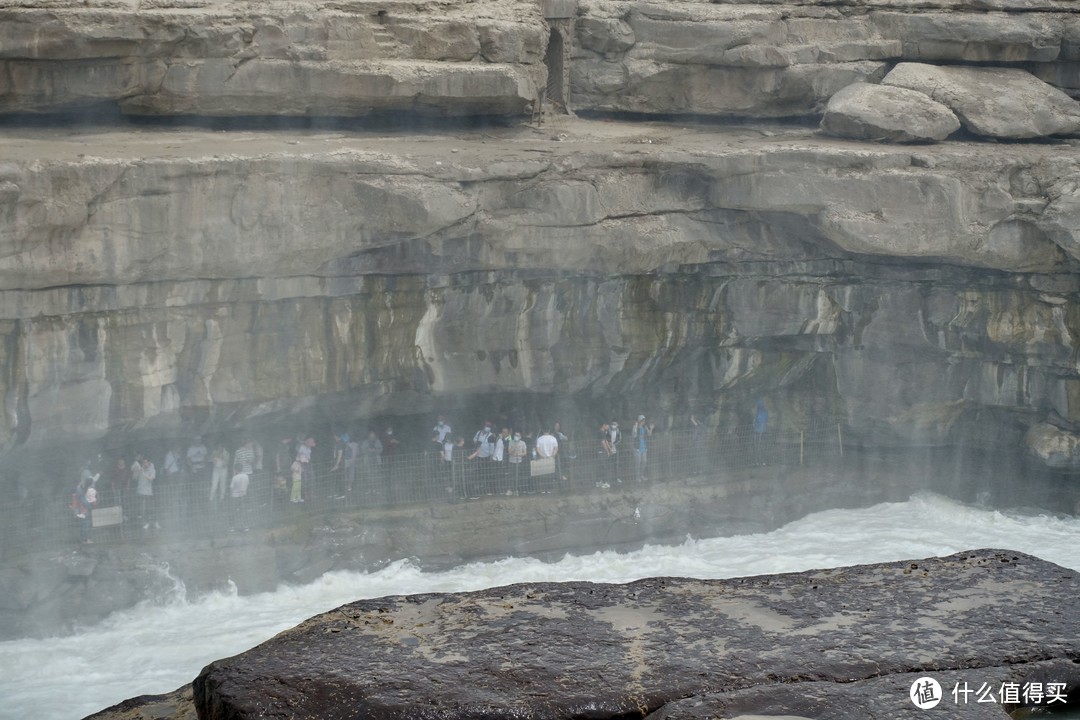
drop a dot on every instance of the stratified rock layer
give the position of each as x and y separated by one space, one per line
268 58
181 283
787 59
161 275
592 650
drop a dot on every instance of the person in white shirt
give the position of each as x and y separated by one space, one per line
546 445
440 434
144 473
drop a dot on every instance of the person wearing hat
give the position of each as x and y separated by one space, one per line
641 434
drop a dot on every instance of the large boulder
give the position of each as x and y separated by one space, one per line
994 102
558 650
1053 446
865 111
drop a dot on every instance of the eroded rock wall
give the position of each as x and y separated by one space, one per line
176 281
764 59
146 292
273 58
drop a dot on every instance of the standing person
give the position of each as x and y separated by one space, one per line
483 438
446 464
339 463
498 459
440 434
606 453
761 426
244 458
135 473
389 444
484 441
566 452
642 431
219 473
547 447
303 450
238 488
144 473
82 504
198 457
454 458
616 438
303 454
516 460
120 481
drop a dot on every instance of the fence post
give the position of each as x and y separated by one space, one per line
801 444
840 438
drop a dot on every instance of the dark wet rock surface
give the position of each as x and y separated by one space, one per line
815 644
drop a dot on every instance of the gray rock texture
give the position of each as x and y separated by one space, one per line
173 281
743 59
664 644
994 102
245 275
266 58
1054 446
891 114
772 59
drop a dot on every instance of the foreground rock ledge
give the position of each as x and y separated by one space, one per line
584 650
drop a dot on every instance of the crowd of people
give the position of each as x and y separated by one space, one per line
499 458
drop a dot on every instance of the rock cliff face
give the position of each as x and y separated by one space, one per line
272 58
181 280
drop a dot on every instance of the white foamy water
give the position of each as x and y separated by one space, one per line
156 648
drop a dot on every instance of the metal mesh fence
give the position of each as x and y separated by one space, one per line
187 507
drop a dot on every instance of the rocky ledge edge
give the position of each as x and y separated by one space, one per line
819 644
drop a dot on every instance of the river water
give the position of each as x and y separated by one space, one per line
157 647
